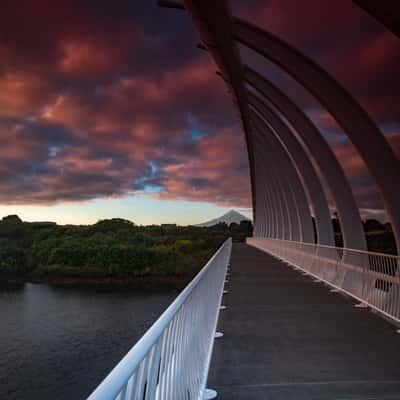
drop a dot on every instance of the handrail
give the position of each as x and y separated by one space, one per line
371 278
338 248
172 358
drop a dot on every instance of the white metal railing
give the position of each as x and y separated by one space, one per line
371 278
171 360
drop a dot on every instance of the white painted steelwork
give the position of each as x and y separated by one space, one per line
171 361
303 166
221 34
287 166
372 146
371 278
322 154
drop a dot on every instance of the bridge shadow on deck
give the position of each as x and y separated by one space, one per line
287 337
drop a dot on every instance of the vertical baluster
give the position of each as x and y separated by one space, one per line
171 372
168 361
154 371
142 379
397 290
178 360
189 335
122 394
180 382
131 385
380 282
163 362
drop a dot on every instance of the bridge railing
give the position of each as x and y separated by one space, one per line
171 360
372 278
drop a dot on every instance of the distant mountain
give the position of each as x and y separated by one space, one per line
228 218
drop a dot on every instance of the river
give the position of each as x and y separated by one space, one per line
58 343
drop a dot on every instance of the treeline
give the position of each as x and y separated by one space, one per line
114 247
380 237
117 247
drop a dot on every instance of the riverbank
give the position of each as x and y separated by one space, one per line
152 283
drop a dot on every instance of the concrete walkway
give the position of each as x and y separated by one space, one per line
289 338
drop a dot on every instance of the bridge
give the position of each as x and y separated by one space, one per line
288 315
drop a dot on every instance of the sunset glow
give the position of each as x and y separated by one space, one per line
109 109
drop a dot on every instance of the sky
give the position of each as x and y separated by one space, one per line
109 109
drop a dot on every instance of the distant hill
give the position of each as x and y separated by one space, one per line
228 218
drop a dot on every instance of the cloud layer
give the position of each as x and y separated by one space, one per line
108 99
102 102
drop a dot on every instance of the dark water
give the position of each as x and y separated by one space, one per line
59 343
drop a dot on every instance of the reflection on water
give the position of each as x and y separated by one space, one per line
59 343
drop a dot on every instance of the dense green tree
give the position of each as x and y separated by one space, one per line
118 247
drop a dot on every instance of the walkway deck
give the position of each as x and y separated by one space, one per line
289 338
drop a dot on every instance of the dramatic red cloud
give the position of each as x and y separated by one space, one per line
94 54
116 99
16 147
365 191
310 22
79 160
190 179
356 49
23 94
352 162
106 132
86 58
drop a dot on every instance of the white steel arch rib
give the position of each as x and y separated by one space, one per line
273 194
286 168
272 186
220 33
350 221
270 217
304 166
